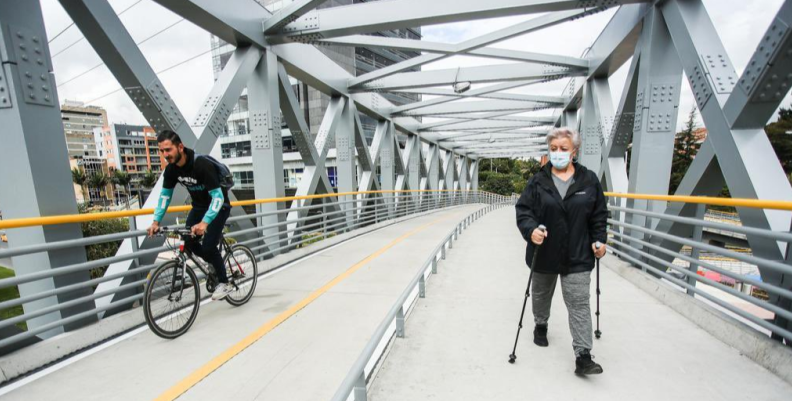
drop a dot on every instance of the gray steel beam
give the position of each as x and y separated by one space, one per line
767 77
480 107
288 14
612 48
33 143
472 44
657 102
386 153
315 175
747 170
444 48
498 96
474 175
490 89
266 141
478 125
454 118
597 114
346 168
369 159
103 29
388 15
237 22
483 74
507 133
448 169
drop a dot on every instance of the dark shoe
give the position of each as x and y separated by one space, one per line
585 366
540 336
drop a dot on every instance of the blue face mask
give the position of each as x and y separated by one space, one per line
560 160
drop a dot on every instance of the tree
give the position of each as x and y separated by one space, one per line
122 179
498 183
780 139
685 150
79 178
99 181
149 179
529 167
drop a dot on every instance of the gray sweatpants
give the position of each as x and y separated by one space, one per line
575 288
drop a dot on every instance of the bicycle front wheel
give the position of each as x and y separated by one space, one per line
171 300
242 272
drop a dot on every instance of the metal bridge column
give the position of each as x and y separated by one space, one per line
36 181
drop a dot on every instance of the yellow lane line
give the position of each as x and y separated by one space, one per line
218 361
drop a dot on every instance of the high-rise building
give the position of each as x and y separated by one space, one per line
234 145
79 122
130 148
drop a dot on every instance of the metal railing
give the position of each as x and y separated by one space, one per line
655 252
330 215
393 324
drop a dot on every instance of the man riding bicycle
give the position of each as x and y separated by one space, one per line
210 206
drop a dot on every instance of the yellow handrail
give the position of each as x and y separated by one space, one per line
81 218
736 202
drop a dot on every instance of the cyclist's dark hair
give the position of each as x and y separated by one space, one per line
168 135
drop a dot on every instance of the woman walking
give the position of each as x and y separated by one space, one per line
568 199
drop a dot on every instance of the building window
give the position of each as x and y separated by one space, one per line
243 178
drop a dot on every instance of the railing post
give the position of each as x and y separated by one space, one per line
400 323
698 233
422 287
135 248
434 265
443 251
359 391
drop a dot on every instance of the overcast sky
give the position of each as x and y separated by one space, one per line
740 24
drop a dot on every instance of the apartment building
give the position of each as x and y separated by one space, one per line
130 148
79 122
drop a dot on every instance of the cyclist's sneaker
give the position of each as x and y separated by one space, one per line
221 291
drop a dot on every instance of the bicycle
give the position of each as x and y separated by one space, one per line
173 289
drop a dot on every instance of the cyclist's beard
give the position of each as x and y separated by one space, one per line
176 159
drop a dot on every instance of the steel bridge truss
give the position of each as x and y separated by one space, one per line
661 40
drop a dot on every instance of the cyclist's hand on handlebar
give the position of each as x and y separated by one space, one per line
199 229
153 229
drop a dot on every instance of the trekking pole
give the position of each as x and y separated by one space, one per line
513 355
597 332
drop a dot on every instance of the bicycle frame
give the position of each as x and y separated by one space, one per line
184 255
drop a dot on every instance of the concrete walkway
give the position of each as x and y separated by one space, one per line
304 358
459 337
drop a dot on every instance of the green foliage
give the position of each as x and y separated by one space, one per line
149 179
98 181
7 294
122 179
502 184
506 176
780 139
685 150
312 238
79 178
106 249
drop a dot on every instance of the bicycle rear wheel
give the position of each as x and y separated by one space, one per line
242 271
171 300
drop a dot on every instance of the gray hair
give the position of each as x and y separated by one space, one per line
564 132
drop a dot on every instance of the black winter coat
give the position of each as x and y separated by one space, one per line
573 224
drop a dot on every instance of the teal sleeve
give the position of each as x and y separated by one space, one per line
162 205
214 206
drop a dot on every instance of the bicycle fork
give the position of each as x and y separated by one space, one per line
176 274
